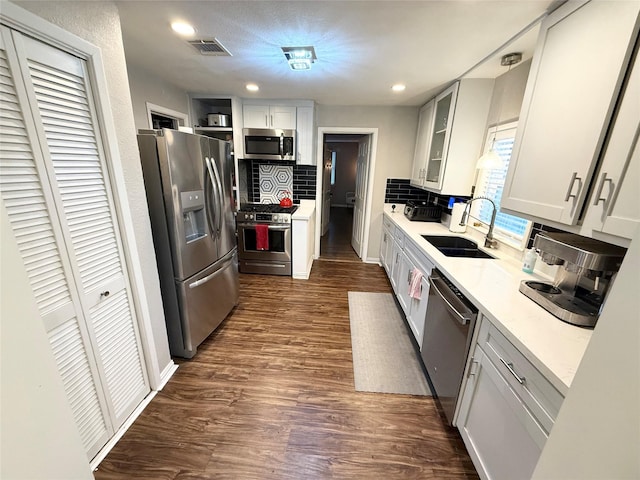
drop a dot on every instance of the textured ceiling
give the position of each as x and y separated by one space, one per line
363 47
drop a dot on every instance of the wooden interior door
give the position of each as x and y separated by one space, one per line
362 170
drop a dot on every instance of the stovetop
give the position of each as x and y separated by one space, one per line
267 208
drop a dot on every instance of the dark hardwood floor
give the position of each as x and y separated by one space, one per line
270 395
335 245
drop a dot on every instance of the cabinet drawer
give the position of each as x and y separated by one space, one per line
536 392
418 258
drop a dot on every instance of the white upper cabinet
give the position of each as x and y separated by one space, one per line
305 141
425 122
578 67
457 131
269 116
614 206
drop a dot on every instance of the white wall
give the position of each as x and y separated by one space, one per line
397 127
145 88
38 438
597 432
99 24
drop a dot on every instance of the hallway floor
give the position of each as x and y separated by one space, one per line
335 245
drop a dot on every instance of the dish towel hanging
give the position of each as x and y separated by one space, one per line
415 286
262 237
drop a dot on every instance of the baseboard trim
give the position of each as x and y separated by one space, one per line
166 374
93 464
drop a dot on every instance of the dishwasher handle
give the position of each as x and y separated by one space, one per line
453 303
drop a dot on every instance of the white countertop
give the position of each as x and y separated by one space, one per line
554 347
304 210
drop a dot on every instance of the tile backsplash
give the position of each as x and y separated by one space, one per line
274 180
398 190
303 183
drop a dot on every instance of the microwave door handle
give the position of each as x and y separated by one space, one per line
282 145
211 211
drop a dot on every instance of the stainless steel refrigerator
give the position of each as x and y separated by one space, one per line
188 179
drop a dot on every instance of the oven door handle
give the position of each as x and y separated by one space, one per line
271 227
463 318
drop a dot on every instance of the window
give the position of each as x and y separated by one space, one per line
333 167
508 228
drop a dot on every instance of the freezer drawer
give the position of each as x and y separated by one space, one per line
206 299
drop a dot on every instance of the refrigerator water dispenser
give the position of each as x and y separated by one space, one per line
193 215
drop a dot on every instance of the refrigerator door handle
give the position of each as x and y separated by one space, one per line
215 232
227 261
219 190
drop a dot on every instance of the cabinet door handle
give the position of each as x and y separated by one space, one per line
509 366
569 195
271 121
603 180
266 120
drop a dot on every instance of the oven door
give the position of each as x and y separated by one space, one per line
279 243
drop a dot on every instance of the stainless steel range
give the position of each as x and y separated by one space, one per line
264 238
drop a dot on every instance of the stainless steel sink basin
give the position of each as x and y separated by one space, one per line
452 246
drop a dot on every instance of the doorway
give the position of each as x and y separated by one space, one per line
342 204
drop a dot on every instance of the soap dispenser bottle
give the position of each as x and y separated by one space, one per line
529 260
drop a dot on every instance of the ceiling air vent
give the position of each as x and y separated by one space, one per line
210 47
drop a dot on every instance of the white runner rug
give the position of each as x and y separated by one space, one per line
384 359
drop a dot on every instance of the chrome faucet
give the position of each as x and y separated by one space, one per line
489 241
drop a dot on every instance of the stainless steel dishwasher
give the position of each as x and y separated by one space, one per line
447 336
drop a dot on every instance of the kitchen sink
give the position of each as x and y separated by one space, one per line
452 246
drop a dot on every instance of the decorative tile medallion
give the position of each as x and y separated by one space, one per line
274 179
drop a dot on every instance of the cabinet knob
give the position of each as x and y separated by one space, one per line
105 294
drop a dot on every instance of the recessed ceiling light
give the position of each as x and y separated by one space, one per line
252 87
300 58
398 87
183 28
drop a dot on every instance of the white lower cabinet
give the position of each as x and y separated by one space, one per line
386 245
507 409
401 258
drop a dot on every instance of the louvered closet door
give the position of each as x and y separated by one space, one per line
60 102
28 203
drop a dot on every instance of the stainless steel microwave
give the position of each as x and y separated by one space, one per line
269 144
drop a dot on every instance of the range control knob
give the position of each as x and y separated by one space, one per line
251 216
276 218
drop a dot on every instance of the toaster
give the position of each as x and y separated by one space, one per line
422 212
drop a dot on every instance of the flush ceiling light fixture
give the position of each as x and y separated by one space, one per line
398 87
182 28
300 58
252 87
491 159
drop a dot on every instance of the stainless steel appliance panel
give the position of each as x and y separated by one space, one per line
206 299
447 336
223 166
269 144
199 289
279 243
182 167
